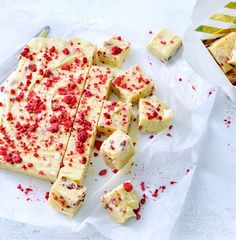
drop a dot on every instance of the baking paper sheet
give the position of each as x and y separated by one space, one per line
169 156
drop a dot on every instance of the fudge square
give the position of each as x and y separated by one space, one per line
221 50
66 196
165 44
115 115
132 85
117 150
121 202
114 51
154 115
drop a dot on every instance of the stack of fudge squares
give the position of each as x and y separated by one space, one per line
58 101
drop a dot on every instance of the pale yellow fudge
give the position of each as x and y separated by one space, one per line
132 85
114 51
77 155
121 202
164 45
66 196
115 115
39 103
232 56
117 150
154 115
221 50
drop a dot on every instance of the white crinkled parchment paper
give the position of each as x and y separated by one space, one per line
169 156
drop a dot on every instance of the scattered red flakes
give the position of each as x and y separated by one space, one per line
172 182
227 122
9 116
194 87
46 195
170 127
155 193
169 135
98 144
127 186
34 103
162 188
116 50
107 115
143 199
209 93
13 91
62 165
188 170
142 185
151 136
102 172
54 128
150 32
115 171
95 154
180 79
17 159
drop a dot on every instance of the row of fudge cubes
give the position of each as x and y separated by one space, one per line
68 193
164 45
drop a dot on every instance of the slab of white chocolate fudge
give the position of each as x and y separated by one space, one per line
39 103
221 50
83 134
66 196
121 202
115 115
164 45
117 150
132 85
114 51
154 115
232 56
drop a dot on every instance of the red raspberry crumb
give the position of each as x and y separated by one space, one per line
30 165
116 50
98 144
102 172
83 160
46 195
127 186
66 51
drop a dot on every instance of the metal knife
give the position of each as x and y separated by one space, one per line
10 64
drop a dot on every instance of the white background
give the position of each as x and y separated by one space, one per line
210 210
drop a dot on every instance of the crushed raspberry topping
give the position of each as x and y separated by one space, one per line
127 186
116 50
34 103
83 160
98 144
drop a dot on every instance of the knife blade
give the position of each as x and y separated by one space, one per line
10 64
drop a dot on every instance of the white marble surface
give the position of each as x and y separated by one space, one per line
209 211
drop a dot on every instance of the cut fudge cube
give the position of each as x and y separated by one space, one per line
164 45
232 57
115 115
121 202
66 196
117 150
221 50
114 51
154 115
132 85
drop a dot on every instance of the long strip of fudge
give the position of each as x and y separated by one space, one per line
39 103
84 131
76 159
